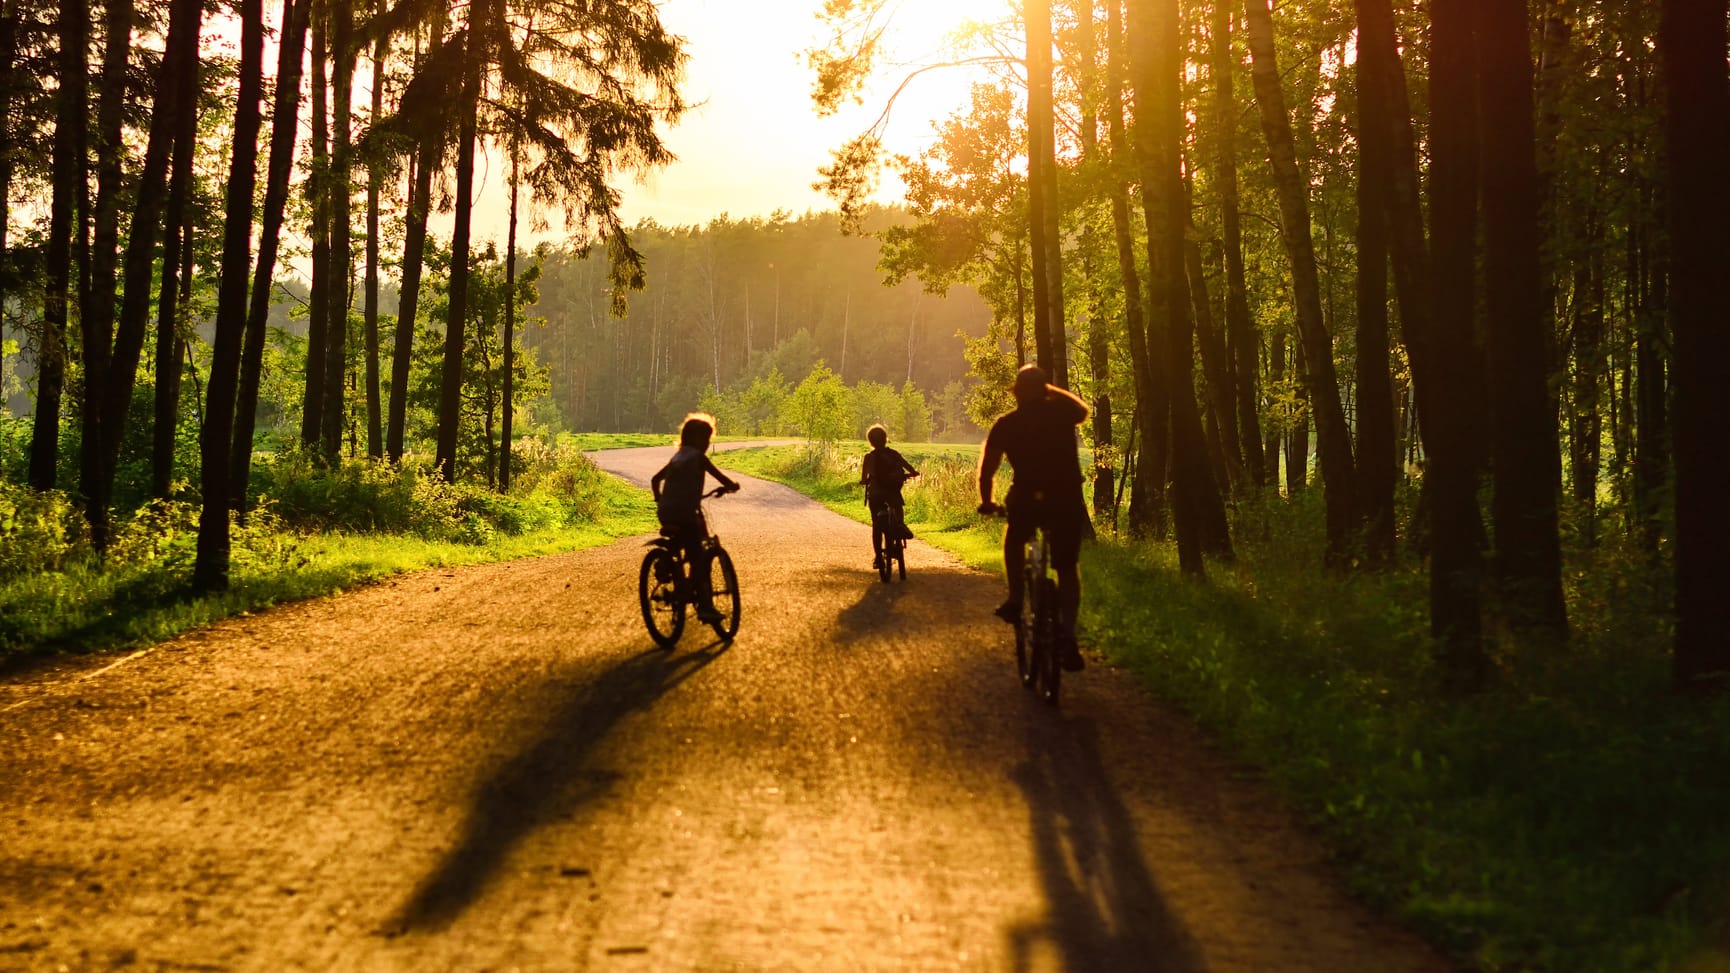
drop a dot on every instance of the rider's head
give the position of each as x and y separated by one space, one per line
698 429
877 435
1029 384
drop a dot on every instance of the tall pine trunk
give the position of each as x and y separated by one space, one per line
210 569
1453 415
1524 443
1692 43
318 304
177 233
1242 347
1098 338
510 329
341 254
1377 455
292 44
1333 439
374 418
1147 502
172 99
65 204
450 390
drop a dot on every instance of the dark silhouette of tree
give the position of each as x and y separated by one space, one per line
210 569
1692 42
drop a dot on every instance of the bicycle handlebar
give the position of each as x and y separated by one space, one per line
719 492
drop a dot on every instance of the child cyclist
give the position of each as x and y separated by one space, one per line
678 490
882 472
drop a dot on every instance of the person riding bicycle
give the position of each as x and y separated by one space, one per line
678 490
882 472
1038 437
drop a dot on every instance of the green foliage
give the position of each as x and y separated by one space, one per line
1570 819
873 403
820 409
38 531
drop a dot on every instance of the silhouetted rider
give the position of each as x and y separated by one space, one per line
678 490
1038 436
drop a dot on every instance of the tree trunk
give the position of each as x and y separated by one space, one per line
1333 439
1155 62
343 54
1523 436
1242 348
292 44
1147 497
374 424
1215 368
1651 426
1452 412
210 570
1048 329
177 233
96 309
1585 417
414 249
510 329
1692 43
1377 454
450 392
1098 339
1276 436
170 102
318 309
68 168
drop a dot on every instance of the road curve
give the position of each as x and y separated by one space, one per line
492 768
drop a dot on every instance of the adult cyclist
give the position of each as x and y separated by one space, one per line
1038 437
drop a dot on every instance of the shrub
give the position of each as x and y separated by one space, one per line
38 531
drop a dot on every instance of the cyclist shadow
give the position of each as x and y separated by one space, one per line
1105 910
546 781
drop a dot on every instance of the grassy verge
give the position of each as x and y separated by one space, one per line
144 597
1570 819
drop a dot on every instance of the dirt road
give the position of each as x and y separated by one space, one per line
491 769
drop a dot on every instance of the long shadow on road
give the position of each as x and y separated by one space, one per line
546 781
1105 911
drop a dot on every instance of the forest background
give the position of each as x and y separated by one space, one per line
1402 325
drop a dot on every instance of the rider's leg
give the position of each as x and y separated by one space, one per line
1014 561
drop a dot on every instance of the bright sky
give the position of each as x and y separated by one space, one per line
755 143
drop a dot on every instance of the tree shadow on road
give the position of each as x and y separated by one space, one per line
546 781
1105 911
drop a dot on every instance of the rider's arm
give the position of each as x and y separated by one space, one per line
907 466
656 481
715 472
1064 395
990 458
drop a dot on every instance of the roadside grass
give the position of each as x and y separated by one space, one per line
1569 819
142 595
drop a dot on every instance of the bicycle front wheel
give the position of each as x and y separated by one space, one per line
724 595
658 592
1024 630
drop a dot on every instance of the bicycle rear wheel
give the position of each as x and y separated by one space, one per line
1024 630
658 592
724 594
886 561
1049 666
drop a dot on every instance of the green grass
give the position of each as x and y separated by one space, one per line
1570 819
81 608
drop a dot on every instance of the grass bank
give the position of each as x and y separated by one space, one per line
316 533
1569 819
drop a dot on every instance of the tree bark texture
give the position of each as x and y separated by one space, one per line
1692 43
334 416
177 232
1242 345
210 569
1333 439
450 391
318 304
292 40
1377 457
1524 443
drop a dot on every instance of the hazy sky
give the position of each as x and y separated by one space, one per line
755 144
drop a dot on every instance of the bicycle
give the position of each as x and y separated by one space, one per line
665 585
886 517
1037 657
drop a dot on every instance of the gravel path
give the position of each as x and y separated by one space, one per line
491 768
